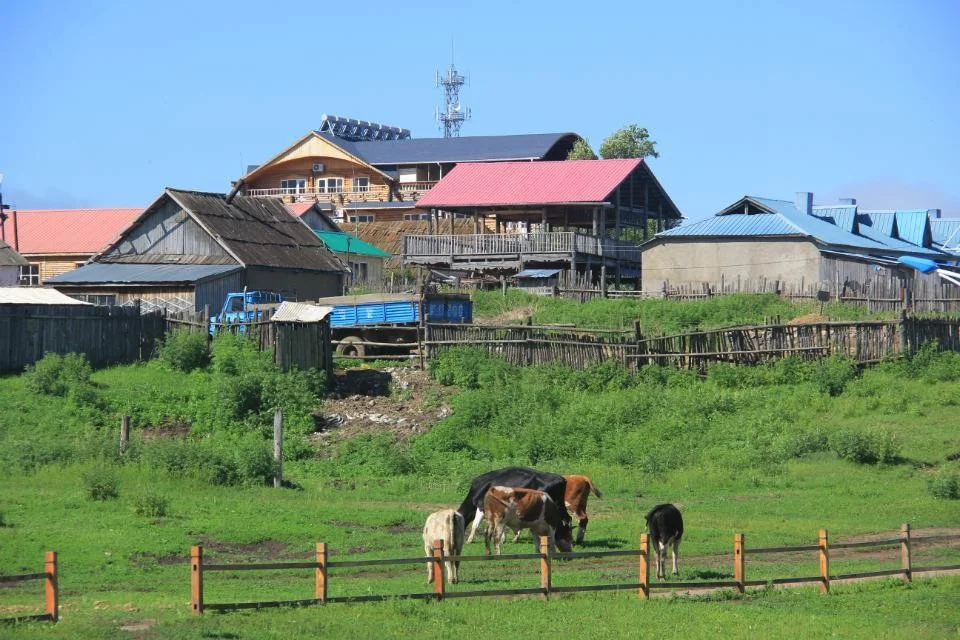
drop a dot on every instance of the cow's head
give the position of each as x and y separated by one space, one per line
564 537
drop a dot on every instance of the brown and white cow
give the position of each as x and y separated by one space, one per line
524 509
575 497
446 525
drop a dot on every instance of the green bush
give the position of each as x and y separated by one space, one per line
100 483
864 448
469 368
151 505
58 375
832 374
184 350
945 484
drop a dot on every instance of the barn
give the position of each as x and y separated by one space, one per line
188 249
11 264
758 244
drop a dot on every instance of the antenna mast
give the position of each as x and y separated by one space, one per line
452 115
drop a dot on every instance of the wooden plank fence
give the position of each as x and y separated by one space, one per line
903 540
863 341
106 335
51 589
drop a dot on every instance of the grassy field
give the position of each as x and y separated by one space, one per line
774 452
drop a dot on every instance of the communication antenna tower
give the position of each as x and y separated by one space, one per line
452 115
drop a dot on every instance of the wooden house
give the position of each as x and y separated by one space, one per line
371 173
58 240
366 261
584 217
11 264
188 249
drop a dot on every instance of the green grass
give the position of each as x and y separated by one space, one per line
657 317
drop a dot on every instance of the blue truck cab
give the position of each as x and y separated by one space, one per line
244 306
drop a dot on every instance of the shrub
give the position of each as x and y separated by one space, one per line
469 368
151 505
945 484
57 375
255 463
100 483
3 521
832 374
184 350
864 448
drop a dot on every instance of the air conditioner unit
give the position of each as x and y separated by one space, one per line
318 167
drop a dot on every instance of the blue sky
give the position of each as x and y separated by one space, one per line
105 104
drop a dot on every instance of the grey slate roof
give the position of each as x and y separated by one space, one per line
257 231
127 273
534 146
9 257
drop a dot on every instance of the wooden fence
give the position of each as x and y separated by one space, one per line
904 541
106 335
863 341
52 589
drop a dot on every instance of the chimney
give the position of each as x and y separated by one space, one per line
933 213
852 201
233 192
803 201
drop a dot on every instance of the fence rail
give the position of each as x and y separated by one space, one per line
51 587
545 558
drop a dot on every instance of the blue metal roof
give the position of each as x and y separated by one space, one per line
843 216
946 230
137 273
881 221
913 226
736 224
533 146
537 273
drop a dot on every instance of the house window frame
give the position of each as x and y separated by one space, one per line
361 188
359 271
365 217
416 216
29 275
300 186
323 184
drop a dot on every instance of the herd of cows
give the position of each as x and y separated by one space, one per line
521 498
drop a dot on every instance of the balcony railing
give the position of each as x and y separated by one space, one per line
515 244
374 192
417 187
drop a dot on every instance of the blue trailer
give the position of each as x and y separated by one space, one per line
390 321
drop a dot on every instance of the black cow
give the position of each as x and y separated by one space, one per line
665 526
516 478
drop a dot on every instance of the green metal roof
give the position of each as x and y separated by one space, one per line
341 242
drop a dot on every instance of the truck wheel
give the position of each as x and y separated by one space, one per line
351 346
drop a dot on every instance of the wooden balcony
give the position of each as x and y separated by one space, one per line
515 250
415 189
373 193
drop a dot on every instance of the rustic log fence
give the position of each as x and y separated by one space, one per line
545 557
51 587
865 342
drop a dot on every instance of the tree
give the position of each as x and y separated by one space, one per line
581 151
632 141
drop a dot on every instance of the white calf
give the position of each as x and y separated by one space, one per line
446 525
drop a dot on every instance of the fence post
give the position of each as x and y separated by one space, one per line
52 586
905 552
278 448
902 326
644 567
545 568
438 574
738 563
196 579
824 562
124 433
322 572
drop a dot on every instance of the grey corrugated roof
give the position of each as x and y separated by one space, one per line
257 231
9 257
127 273
531 146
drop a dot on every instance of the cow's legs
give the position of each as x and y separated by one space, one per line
582 528
661 559
451 572
676 553
475 525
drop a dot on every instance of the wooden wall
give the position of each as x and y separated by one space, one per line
168 231
271 176
304 285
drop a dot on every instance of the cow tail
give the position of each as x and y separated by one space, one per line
596 491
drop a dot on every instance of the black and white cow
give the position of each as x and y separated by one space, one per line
665 526
516 478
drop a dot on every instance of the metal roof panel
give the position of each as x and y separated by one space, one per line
137 273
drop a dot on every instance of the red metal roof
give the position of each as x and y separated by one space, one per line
299 208
491 184
67 231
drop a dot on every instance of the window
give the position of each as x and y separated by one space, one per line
416 216
361 184
329 185
236 304
361 218
359 271
30 275
104 300
294 185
